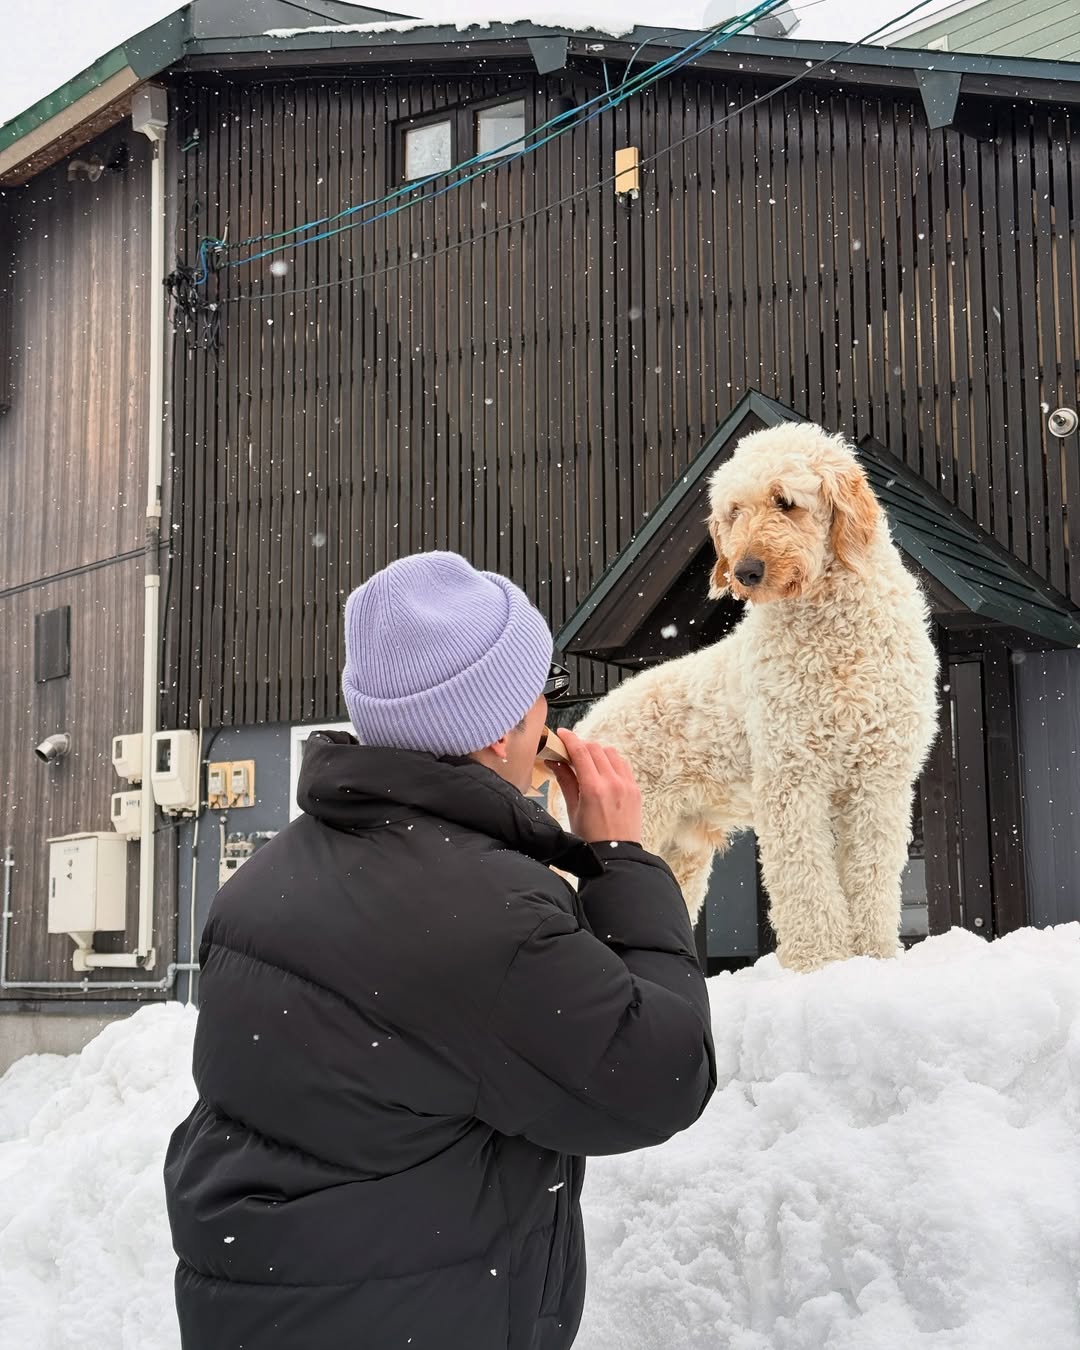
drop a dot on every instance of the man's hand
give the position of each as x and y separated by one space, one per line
603 801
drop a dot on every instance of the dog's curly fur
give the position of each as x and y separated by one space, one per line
810 721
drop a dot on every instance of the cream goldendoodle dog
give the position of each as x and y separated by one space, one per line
808 723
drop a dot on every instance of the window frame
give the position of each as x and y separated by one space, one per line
486 105
406 125
464 132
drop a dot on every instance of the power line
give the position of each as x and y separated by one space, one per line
555 127
550 207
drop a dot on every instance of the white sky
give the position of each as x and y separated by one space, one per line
68 35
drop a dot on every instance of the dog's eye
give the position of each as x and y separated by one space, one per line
784 505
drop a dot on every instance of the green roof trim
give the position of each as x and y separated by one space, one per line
168 41
951 548
972 566
751 404
146 54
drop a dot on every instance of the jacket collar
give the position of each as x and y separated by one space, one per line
354 787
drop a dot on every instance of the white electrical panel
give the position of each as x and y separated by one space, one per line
175 772
87 885
127 756
127 813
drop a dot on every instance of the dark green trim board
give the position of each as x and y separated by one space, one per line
146 54
655 536
972 566
961 557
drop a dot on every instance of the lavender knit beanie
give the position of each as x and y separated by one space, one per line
441 657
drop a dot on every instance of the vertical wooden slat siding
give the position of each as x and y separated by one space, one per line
976 309
1065 168
926 458
996 372
73 493
611 336
831 357
1030 383
957 327
1052 369
230 414
944 397
907 316
1010 331
638 482
812 276
766 207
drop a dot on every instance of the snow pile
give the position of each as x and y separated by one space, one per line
892 1161
85 1257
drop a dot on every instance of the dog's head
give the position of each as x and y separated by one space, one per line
791 501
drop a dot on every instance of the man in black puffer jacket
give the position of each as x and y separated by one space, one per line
411 1030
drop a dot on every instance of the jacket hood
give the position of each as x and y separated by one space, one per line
354 787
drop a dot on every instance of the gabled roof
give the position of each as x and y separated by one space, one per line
100 96
968 562
234 35
619 619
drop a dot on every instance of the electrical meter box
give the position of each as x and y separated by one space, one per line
88 883
127 756
175 773
127 813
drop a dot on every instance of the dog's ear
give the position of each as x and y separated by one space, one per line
855 514
720 576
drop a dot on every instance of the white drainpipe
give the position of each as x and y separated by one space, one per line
150 116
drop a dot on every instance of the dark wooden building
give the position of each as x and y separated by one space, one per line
532 361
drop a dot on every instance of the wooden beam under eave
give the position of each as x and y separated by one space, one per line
70 129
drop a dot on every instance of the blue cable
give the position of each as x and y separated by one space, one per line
494 158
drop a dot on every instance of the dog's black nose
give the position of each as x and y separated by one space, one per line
750 571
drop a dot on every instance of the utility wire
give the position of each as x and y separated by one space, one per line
549 207
488 160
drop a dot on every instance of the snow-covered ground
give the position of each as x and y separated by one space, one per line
892 1163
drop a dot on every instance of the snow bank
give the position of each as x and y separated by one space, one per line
892 1163
85 1258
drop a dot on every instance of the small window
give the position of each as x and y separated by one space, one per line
499 129
52 644
428 149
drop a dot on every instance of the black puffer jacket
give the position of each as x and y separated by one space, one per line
411 1030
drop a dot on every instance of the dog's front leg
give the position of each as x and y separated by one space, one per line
807 908
873 832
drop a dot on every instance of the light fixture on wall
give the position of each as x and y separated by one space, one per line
91 168
1062 422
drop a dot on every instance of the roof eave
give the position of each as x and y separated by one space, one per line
840 63
95 98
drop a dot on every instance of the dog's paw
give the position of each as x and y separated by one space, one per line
806 960
882 949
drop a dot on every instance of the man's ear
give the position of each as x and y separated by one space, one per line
719 577
855 514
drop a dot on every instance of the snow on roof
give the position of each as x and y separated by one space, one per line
609 20
890 1160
